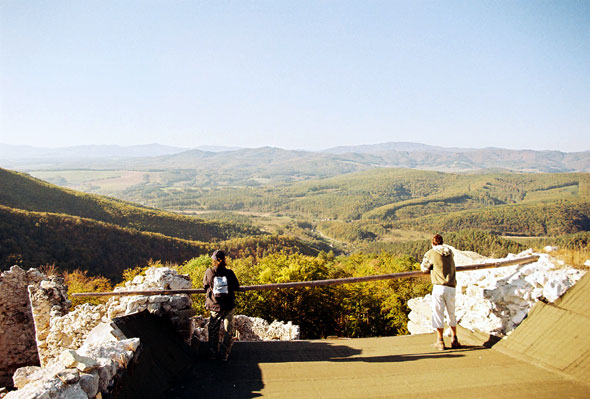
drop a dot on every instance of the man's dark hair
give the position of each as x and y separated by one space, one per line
219 256
437 240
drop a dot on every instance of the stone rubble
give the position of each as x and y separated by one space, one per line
495 301
84 373
69 331
250 329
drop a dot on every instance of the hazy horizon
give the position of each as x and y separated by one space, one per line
296 75
213 146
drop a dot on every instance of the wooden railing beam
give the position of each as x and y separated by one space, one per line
317 283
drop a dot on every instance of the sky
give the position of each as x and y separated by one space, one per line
296 74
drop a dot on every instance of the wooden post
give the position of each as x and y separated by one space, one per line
318 283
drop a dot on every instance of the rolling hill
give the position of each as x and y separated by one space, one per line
42 224
34 239
365 205
20 191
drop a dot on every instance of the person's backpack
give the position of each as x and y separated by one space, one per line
220 289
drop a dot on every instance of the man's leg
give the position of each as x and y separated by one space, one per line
438 309
450 305
228 318
214 324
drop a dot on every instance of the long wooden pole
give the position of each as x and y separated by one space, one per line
316 283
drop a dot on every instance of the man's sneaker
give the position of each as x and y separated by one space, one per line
455 344
439 345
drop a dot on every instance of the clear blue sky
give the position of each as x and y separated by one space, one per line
296 74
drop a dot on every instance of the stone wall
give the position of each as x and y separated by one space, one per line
49 300
17 332
178 308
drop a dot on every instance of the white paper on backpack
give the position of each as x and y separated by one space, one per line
220 285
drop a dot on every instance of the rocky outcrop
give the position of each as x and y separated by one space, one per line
17 331
495 301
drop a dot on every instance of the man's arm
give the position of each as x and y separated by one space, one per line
206 283
426 265
234 281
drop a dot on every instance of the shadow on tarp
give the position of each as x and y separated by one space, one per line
241 377
166 367
450 353
161 357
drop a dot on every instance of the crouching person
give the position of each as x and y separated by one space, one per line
220 285
440 263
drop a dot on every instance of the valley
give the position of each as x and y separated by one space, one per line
105 226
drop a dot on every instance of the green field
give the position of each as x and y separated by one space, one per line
98 181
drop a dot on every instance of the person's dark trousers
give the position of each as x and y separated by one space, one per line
215 320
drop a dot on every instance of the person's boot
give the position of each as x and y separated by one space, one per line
228 350
439 345
455 343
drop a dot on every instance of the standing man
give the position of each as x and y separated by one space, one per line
440 264
220 285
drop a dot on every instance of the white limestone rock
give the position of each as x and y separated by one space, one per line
250 329
103 332
24 375
158 278
69 376
166 278
71 359
89 383
49 388
106 371
110 350
495 301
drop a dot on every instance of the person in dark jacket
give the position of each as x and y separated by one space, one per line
440 263
220 285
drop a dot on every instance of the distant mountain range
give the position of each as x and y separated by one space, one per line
23 152
394 146
269 162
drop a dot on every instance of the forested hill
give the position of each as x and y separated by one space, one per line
364 205
386 194
21 191
41 224
34 239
